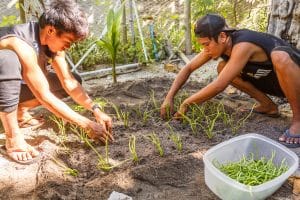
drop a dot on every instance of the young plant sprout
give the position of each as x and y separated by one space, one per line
236 125
125 117
252 172
156 142
102 162
61 129
132 148
176 138
210 124
101 102
77 108
67 170
117 111
154 101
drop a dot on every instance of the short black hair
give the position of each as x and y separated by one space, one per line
211 25
65 16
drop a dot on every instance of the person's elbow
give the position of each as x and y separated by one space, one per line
70 85
220 86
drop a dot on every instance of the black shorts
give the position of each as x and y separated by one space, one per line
264 78
13 91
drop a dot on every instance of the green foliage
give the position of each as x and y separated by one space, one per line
111 40
9 20
132 148
97 55
156 142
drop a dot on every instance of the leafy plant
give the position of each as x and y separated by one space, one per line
132 148
67 170
176 138
102 161
111 40
117 110
234 124
125 117
61 124
156 142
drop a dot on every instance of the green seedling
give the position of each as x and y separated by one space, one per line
132 148
77 108
176 138
67 170
101 102
210 121
156 142
154 101
117 111
252 172
236 125
102 162
125 117
61 129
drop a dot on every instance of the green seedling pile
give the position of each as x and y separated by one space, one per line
252 172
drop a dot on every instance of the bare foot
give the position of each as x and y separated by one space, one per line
270 109
25 120
19 150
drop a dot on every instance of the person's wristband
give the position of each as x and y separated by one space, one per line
95 106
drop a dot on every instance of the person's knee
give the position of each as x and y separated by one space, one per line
281 60
221 66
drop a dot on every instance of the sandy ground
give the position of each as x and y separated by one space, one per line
175 175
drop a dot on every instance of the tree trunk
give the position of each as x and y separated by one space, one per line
22 11
187 23
124 26
284 20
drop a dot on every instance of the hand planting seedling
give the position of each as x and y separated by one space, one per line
103 162
156 141
252 172
132 148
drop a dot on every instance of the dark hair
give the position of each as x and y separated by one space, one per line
65 16
211 25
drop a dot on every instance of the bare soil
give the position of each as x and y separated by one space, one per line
176 175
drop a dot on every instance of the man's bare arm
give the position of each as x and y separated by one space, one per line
37 82
240 55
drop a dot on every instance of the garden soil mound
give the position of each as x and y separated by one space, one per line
175 175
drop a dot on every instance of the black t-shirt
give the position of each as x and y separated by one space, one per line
30 33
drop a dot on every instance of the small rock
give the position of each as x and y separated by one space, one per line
119 196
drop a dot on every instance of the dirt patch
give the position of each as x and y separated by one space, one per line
175 175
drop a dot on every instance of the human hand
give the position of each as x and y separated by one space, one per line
167 108
104 119
182 110
98 131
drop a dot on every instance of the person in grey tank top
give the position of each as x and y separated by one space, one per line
255 63
25 52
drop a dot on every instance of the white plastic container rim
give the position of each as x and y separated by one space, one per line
241 186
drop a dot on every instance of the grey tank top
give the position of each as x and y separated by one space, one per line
30 33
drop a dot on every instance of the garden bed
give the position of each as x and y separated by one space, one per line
174 174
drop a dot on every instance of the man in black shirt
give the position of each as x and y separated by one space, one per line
255 63
25 52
